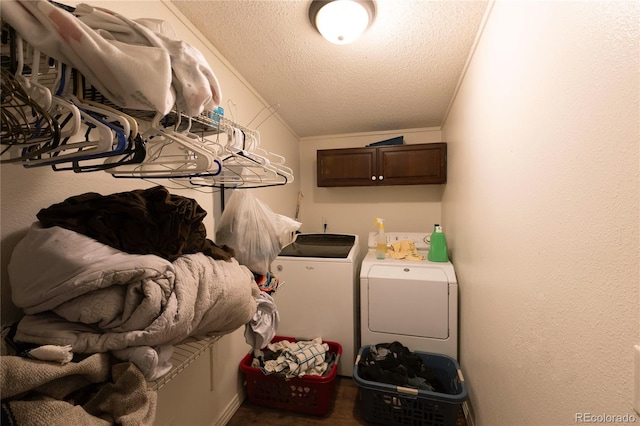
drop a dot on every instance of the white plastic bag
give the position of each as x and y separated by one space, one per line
254 231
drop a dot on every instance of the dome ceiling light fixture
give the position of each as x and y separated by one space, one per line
341 21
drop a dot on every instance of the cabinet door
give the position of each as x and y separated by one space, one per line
412 164
347 167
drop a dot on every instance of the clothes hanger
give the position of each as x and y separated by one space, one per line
169 155
243 164
235 179
16 128
111 129
36 91
65 115
133 153
239 171
99 100
128 123
27 128
212 150
192 142
26 100
256 165
64 112
98 139
71 122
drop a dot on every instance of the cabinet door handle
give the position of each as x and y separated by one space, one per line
373 178
380 177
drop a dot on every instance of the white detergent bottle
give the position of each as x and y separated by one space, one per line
381 246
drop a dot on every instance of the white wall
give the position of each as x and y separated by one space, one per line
541 209
25 191
352 210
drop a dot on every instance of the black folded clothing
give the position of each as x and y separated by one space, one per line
394 364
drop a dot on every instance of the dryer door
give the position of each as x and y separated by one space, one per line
411 300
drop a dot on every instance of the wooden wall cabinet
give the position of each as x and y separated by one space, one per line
384 165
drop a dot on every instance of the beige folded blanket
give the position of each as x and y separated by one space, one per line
96 298
38 393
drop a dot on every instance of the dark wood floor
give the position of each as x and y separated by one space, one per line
344 410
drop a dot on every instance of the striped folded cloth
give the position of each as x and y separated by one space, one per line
299 358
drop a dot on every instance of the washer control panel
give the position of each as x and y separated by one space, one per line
420 239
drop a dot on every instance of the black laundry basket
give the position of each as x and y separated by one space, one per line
396 405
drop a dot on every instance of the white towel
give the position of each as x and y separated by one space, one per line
57 353
153 362
264 324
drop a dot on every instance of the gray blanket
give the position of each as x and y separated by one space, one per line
77 291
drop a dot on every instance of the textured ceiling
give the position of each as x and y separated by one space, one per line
402 73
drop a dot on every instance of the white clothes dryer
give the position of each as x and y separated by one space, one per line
414 302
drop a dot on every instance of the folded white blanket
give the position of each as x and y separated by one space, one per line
128 62
77 291
51 266
131 76
193 81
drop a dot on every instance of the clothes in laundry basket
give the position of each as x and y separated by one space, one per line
295 359
393 363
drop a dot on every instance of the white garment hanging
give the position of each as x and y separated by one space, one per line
263 326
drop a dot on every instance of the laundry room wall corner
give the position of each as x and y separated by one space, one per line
542 213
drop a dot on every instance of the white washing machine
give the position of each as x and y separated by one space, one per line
318 289
412 302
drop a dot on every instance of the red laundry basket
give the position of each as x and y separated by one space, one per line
307 394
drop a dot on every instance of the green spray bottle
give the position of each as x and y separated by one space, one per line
438 249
